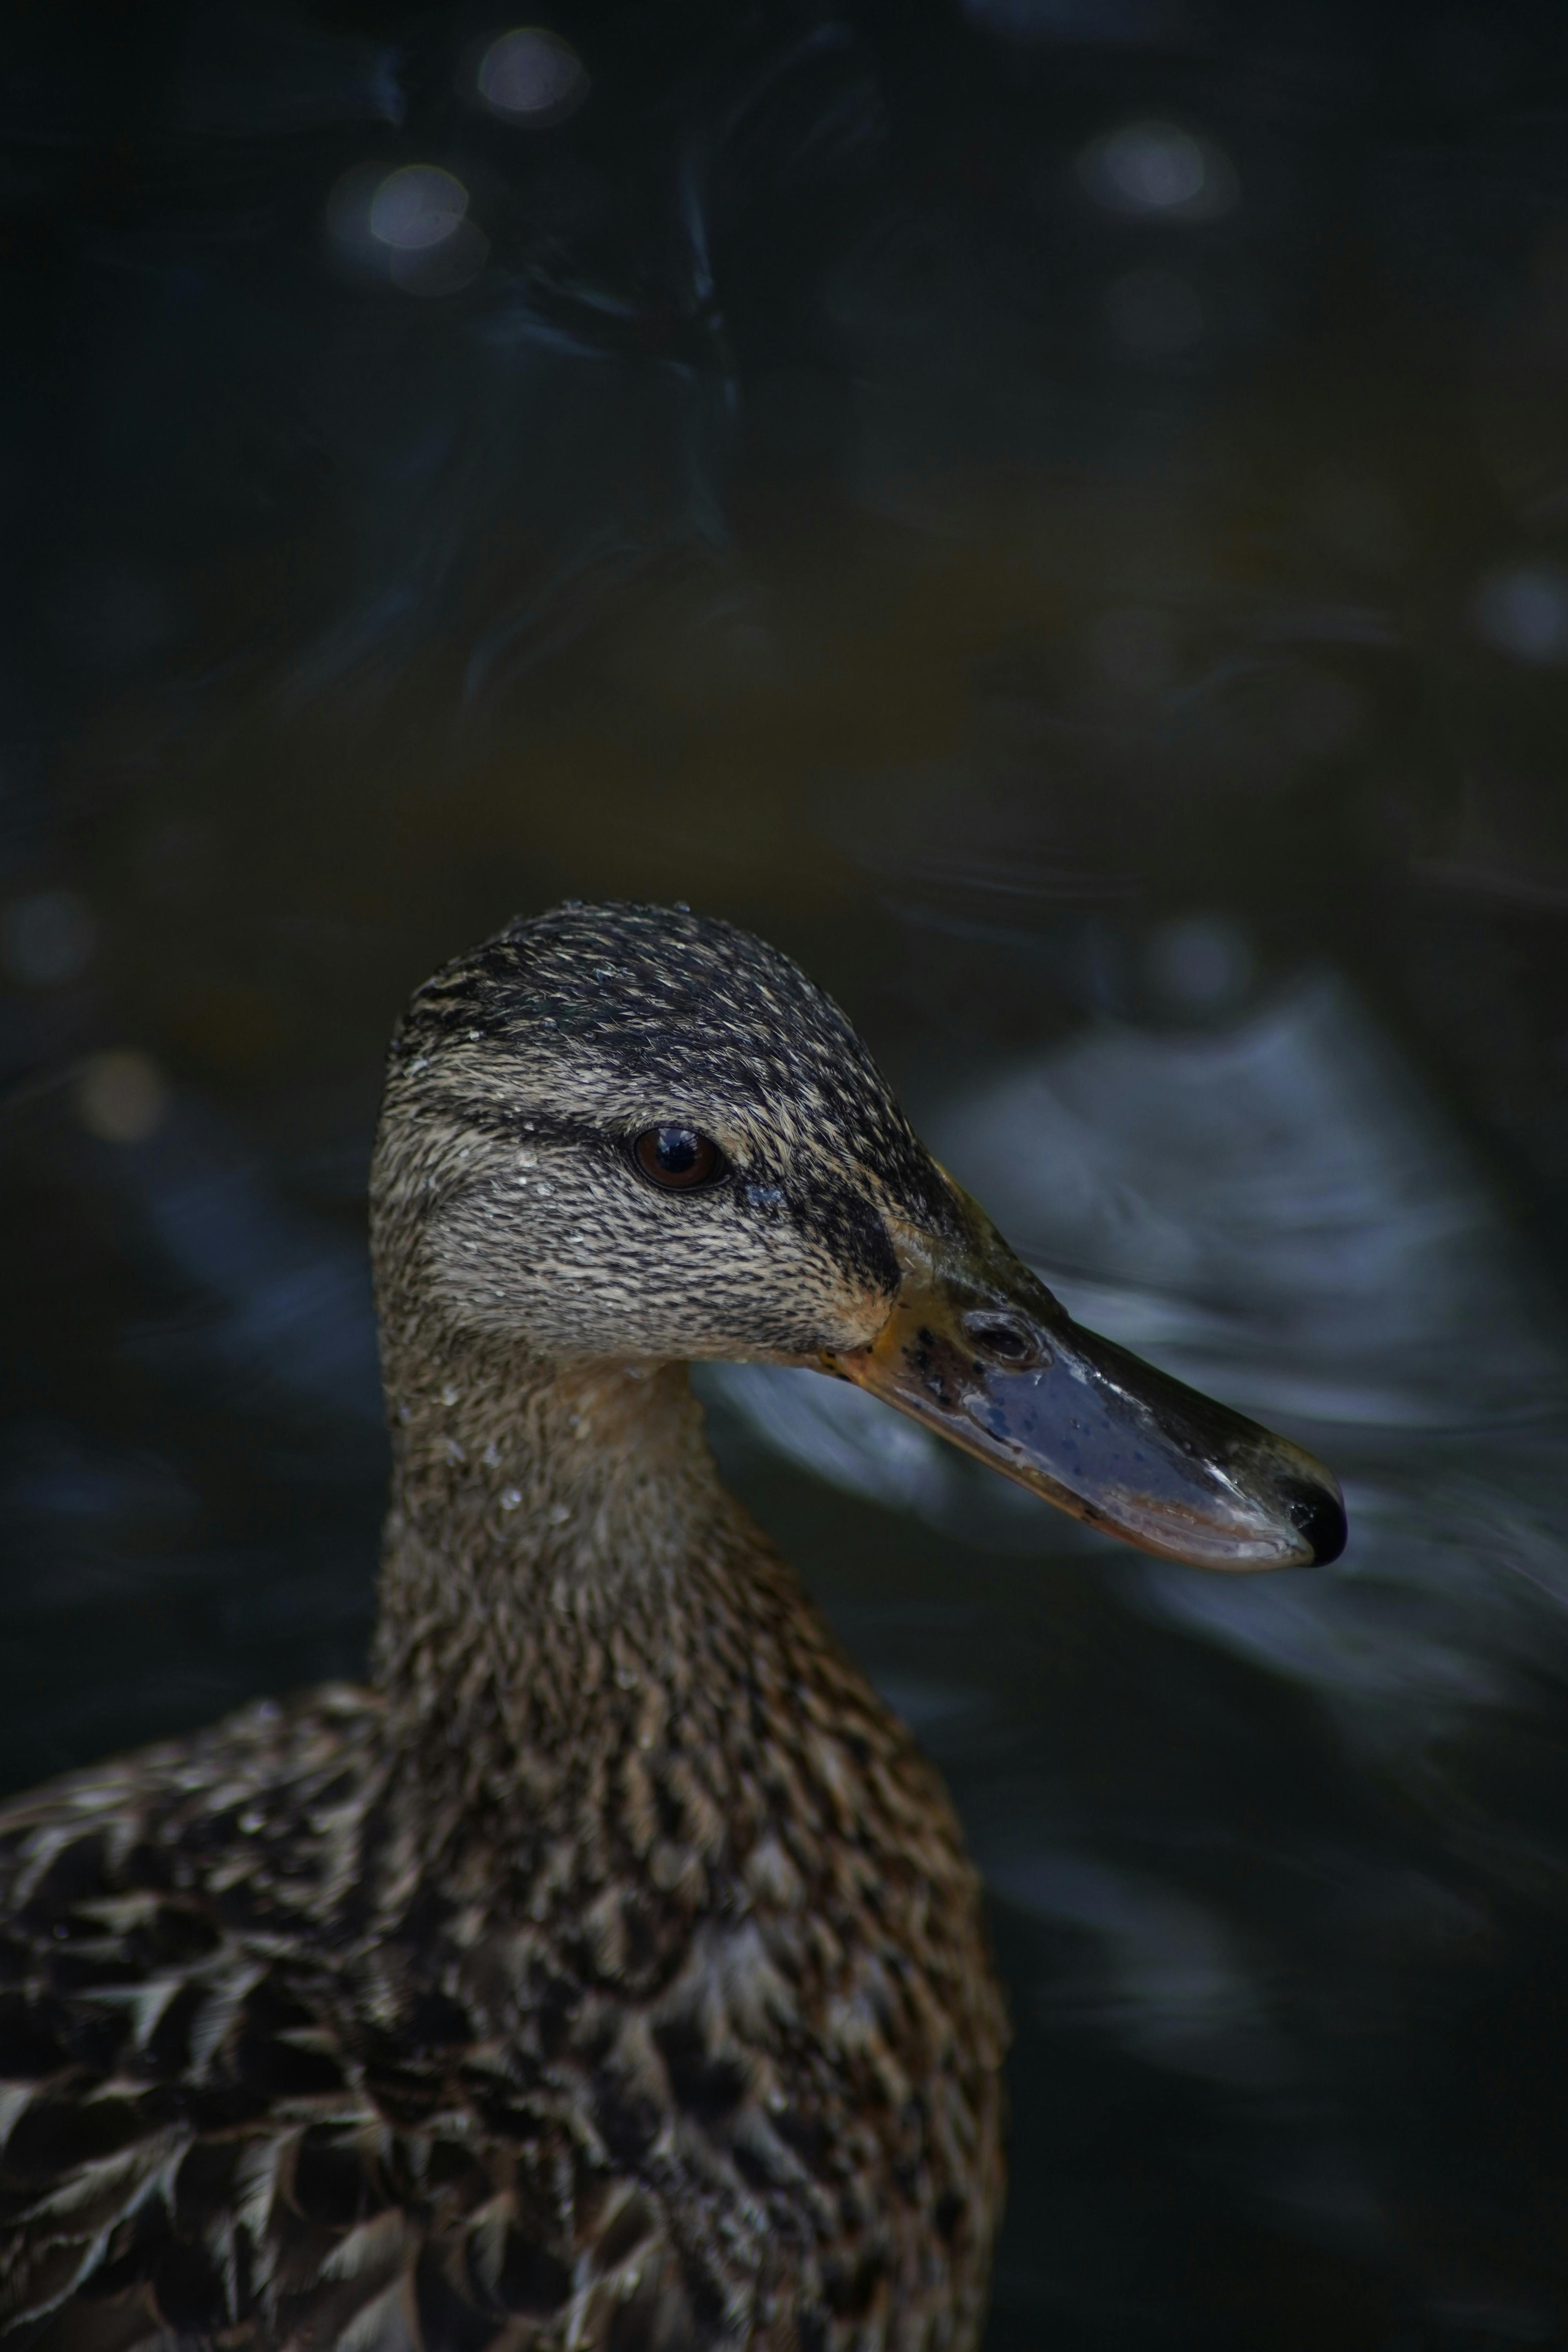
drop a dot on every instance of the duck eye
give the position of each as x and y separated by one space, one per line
677 1158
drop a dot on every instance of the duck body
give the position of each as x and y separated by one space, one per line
606 1975
314 2038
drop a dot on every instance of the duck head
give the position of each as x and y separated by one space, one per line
637 1134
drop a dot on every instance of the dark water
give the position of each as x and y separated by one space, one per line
1057 511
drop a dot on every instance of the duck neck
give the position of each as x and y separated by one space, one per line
555 1530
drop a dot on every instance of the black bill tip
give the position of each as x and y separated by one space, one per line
1319 1516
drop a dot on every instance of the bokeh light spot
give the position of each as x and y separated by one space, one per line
122 1096
1523 611
1159 170
410 226
531 75
417 208
47 939
1155 166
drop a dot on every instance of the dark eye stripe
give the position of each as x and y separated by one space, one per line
676 1159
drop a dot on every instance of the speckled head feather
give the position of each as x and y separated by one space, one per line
526 1067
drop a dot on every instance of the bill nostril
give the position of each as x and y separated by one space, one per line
1002 1341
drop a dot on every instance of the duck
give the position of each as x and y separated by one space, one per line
607 1972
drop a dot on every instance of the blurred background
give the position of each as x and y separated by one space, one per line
1056 511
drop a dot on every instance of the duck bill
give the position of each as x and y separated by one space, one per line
978 1348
